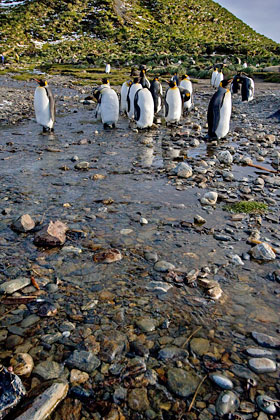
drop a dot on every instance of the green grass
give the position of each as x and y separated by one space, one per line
248 207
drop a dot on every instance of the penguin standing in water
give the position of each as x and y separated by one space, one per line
44 106
143 79
143 108
157 93
124 91
219 111
247 88
135 86
186 92
218 78
213 76
108 105
173 104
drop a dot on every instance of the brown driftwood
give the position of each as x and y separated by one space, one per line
262 168
45 403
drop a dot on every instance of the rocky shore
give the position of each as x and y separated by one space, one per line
139 271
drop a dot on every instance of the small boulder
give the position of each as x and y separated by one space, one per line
23 224
51 235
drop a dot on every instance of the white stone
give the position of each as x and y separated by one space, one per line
210 198
263 252
183 170
225 157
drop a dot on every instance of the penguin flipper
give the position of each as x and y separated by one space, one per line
51 101
137 110
213 114
128 101
166 106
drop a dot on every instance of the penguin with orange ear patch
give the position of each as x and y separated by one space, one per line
173 104
44 105
219 111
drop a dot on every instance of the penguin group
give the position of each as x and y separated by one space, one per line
142 100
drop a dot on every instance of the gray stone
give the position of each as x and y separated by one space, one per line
159 286
227 402
266 340
82 166
221 380
181 382
263 252
146 324
225 157
266 404
172 353
262 365
83 360
151 256
199 346
138 399
210 198
183 170
29 321
48 370
163 266
23 224
257 352
12 286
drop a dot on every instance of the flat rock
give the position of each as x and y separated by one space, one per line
200 346
23 224
263 252
12 286
266 340
48 370
83 360
146 324
163 266
181 382
138 399
51 235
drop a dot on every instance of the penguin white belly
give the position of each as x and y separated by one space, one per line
174 105
107 68
251 90
186 84
124 92
213 78
109 107
132 91
144 109
218 79
225 113
42 108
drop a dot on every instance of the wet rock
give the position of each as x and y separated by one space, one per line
143 221
266 404
83 360
199 220
29 321
108 257
12 390
266 340
172 353
151 256
163 266
183 170
243 372
159 286
210 198
262 365
146 324
47 310
257 352
82 166
112 346
120 394
138 399
227 402
181 382
78 377
51 235
22 364
221 380
200 346
23 224
12 286
263 252
48 370
225 157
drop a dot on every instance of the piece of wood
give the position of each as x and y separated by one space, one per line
45 403
262 168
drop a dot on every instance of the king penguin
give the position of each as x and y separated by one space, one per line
143 108
219 111
173 104
108 105
186 92
124 91
234 87
130 96
44 106
157 93
218 78
143 79
247 88
108 68
213 76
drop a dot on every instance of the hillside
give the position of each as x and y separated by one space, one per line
124 31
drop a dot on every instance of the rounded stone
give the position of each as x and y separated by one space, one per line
146 324
262 365
138 399
22 364
199 346
163 266
225 157
183 170
266 404
227 402
210 198
221 380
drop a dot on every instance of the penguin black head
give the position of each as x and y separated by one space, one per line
172 83
41 82
185 76
142 72
105 81
225 83
136 80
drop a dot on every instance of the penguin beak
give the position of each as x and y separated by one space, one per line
36 80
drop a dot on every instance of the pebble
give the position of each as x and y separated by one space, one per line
266 340
221 380
163 266
227 402
263 252
159 286
23 224
138 399
199 346
210 198
12 286
82 166
183 170
225 157
83 360
146 324
257 352
182 382
48 370
22 364
78 377
266 404
262 365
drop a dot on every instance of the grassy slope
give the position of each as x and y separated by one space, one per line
127 30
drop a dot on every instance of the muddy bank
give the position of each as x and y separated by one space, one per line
134 338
